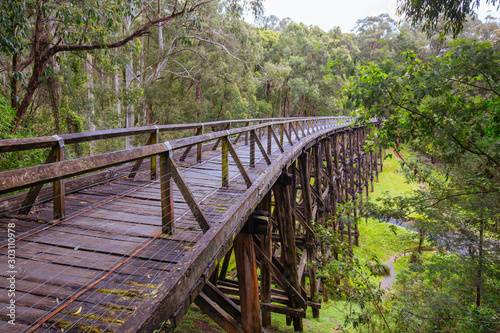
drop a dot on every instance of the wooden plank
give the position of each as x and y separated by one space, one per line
283 310
91 259
161 249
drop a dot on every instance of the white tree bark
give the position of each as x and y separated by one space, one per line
129 77
90 93
118 100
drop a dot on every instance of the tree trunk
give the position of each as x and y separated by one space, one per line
160 30
54 91
129 76
480 265
118 100
13 83
90 93
421 238
34 82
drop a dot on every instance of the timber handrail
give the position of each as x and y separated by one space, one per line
22 178
12 145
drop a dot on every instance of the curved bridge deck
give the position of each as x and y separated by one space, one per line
131 254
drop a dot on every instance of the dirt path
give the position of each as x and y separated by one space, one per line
388 280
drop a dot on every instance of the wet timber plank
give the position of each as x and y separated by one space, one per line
89 259
159 249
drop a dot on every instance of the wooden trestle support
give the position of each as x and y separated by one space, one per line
280 239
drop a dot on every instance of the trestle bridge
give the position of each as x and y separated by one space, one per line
127 240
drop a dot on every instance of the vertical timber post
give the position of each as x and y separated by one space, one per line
167 198
359 187
246 133
266 244
269 139
153 166
225 163
308 214
199 147
252 148
59 189
281 134
247 282
286 226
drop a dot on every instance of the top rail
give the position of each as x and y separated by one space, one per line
26 177
12 145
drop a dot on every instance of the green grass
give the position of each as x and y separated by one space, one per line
391 180
332 317
195 321
382 239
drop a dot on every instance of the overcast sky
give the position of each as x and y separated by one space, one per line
343 13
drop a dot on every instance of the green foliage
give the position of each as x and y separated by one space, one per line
454 12
445 109
440 287
6 115
21 159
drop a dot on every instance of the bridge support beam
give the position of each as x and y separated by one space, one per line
286 226
247 282
266 245
305 181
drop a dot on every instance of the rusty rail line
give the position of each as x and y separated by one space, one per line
123 242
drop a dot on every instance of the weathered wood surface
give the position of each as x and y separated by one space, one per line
107 265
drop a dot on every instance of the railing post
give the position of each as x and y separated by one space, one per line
252 149
225 162
281 134
154 167
167 198
199 148
269 142
246 133
59 190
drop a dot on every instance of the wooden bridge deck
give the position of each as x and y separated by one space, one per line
131 254
108 255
